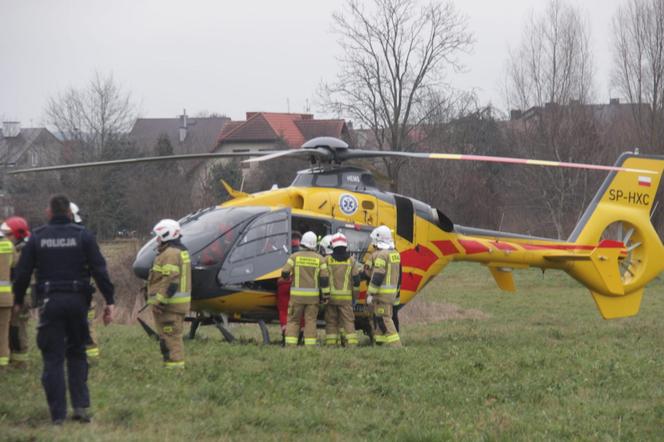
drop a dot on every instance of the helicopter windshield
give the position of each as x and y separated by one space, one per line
208 235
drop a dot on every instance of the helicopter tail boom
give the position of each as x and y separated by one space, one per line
630 253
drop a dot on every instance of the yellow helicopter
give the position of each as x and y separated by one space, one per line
239 247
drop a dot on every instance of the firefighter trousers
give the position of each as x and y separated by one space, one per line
339 318
18 335
295 312
170 327
5 318
382 324
92 346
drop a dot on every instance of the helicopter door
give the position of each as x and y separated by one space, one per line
263 248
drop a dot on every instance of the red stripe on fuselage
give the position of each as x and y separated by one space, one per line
473 247
557 247
421 260
410 281
503 246
446 247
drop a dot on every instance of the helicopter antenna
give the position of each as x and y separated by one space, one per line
242 183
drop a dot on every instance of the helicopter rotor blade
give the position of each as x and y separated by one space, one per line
351 154
193 156
322 154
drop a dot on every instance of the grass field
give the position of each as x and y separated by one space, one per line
540 365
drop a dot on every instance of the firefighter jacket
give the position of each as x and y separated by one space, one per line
169 281
8 259
383 269
344 279
310 277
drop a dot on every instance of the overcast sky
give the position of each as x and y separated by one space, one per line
226 56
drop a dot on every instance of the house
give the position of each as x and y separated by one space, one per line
22 148
263 131
274 131
185 134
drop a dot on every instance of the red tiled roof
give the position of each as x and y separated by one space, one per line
294 129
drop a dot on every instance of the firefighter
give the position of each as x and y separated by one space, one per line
309 285
64 256
92 346
383 270
7 261
169 291
324 247
17 231
344 288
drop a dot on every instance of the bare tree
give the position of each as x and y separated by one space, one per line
93 121
395 55
551 75
638 50
94 116
553 64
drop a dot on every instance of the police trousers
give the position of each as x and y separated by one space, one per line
61 334
383 327
296 311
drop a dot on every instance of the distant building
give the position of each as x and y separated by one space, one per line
273 131
22 148
263 131
186 134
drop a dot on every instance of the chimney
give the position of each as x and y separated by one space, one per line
11 129
614 101
183 125
515 114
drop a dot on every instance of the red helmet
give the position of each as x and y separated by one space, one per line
17 227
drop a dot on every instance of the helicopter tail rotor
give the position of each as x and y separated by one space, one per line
630 253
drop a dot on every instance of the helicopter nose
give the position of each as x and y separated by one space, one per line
144 259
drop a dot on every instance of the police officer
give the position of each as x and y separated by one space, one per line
64 255
91 346
169 291
344 288
310 280
17 231
383 270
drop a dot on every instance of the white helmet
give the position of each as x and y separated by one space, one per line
309 241
381 237
326 244
339 240
166 230
75 211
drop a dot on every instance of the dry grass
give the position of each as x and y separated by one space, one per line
420 311
120 255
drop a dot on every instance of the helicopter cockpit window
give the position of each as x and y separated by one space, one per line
327 180
210 235
263 248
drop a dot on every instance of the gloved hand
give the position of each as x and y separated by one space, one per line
325 299
369 299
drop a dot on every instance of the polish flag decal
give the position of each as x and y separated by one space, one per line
645 181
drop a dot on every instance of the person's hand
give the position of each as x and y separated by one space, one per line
108 314
16 309
369 299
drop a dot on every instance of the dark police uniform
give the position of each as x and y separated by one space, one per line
64 255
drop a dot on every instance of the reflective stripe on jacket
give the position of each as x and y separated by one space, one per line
342 274
169 282
384 266
308 268
7 261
